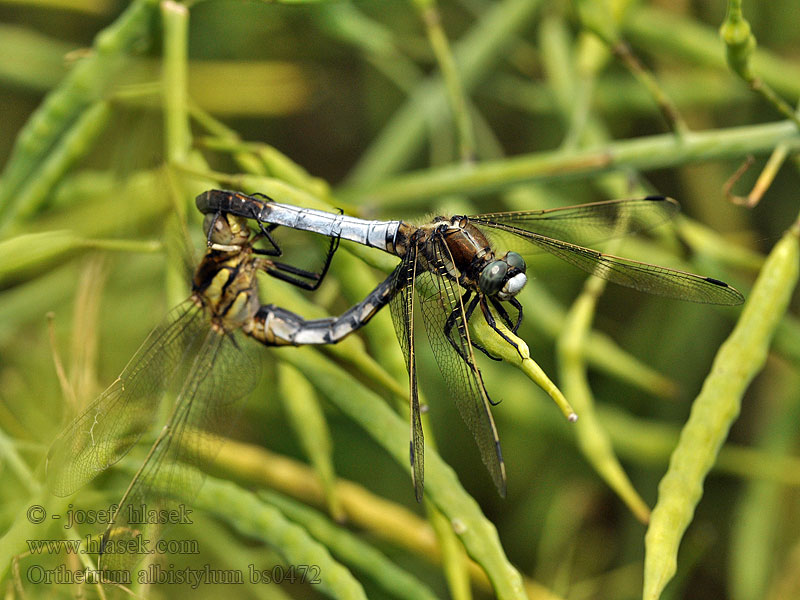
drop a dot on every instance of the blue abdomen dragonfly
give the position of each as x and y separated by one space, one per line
455 265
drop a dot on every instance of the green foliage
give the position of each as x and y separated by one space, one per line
396 110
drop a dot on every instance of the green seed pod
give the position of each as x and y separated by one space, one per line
738 361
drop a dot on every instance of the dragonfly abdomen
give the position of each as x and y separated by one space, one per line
276 326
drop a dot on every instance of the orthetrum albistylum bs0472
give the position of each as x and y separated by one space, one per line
199 360
455 265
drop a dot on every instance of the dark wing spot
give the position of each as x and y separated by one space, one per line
717 282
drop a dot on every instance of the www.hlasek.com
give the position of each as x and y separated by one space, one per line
156 574
94 545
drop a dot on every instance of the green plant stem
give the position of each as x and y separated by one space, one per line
72 145
740 44
650 443
350 549
475 55
592 438
455 92
519 356
476 532
85 85
177 138
225 139
269 161
17 465
757 520
244 511
379 518
665 32
455 562
653 152
375 41
302 407
616 95
648 81
36 252
30 59
739 359
14 541
605 25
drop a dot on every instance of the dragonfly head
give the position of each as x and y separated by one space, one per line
504 277
226 231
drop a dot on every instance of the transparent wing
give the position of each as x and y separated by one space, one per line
402 309
440 299
586 224
113 423
224 369
641 276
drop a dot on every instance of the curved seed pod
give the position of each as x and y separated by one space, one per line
738 361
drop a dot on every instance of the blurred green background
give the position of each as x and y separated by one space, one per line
339 101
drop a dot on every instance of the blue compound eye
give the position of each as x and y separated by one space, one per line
493 277
515 260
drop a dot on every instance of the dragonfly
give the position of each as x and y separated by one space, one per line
453 266
199 359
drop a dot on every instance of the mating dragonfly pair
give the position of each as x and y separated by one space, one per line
451 266
454 266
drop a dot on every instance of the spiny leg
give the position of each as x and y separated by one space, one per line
451 320
214 220
264 196
493 324
501 310
265 233
285 271
448 328
516 304
475 344
468 313
332 248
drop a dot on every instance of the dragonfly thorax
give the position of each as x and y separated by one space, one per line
473 257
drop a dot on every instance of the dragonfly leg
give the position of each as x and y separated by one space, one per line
217 215
451 320
265 233
493 324
249 213
516 304
285 272
475 344
498 306
334 245
264 196
279 270
253 214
